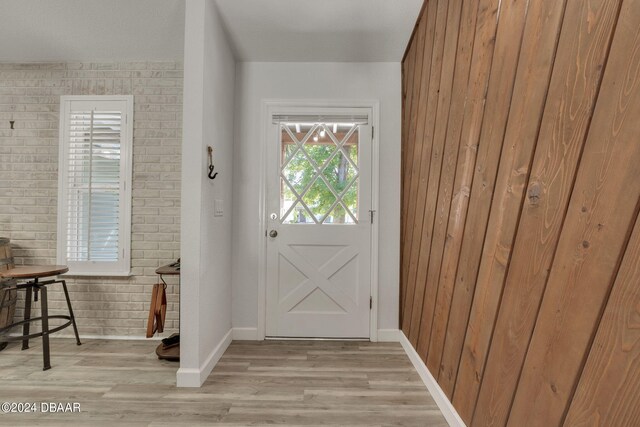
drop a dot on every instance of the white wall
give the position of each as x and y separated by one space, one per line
327 81
205 307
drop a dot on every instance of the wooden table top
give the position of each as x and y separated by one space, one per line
33 271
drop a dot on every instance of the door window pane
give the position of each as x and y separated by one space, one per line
319 173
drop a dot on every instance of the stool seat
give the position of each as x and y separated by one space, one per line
33 271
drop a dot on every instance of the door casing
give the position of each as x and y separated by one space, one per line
276 106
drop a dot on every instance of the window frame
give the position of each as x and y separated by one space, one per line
122 267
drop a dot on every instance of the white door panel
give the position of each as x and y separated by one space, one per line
318 250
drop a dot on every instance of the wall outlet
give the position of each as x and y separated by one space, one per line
218 209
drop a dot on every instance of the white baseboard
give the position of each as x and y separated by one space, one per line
446 407
99 337
389 335
245 334
251 334
192 377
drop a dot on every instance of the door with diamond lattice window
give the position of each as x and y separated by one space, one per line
318 204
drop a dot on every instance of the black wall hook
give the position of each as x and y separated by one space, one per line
211 174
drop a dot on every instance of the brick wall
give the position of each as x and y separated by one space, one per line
30 95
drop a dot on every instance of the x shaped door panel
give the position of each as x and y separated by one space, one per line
318 278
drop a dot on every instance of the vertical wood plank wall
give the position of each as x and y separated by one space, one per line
520 238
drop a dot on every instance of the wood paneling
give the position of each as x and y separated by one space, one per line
525 197
415 204
609 385
536 58
451 131
447 22
482 55
407 146
499 93
594 237
419 332
586 33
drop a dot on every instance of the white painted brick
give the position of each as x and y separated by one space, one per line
28 182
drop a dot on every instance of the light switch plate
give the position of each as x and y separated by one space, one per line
218 209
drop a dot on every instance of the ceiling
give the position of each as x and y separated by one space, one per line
88 30
319 30
260 30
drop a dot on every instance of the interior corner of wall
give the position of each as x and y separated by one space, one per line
389 335
245 334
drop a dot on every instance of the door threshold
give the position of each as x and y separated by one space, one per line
314 339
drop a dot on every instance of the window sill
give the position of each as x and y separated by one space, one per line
98 274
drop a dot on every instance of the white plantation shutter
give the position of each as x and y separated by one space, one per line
95 185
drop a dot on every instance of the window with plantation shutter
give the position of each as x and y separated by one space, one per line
94 206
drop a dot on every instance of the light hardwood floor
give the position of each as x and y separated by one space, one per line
255 383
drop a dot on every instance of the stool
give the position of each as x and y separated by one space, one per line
33 285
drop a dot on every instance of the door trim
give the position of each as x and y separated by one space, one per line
269 107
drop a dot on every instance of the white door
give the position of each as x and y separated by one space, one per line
318 204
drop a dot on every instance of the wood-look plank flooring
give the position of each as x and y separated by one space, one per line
255 383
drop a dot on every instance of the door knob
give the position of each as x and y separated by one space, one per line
273 233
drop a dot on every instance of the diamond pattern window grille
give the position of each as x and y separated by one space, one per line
319 173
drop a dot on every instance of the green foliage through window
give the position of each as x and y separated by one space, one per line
317 168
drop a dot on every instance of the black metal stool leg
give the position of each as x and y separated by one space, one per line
73 319
45 329
27 315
